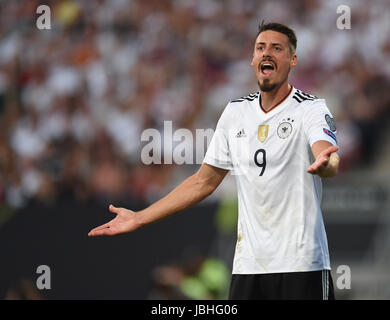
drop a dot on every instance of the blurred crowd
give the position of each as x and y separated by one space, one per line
75 99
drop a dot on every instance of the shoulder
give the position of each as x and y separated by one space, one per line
244 99
236 106
315 110
309 102
304 97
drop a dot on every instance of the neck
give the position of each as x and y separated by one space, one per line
272 98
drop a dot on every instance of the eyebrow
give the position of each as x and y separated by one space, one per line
273 43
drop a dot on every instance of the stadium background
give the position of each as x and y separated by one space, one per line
75 99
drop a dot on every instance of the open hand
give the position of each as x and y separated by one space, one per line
320 166
125 221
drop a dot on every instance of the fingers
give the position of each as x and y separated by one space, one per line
330 150
105 229
106 225
103 226
323 161
100 232
110 228
118 211
114 209
312 170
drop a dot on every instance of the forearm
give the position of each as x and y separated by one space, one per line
191 191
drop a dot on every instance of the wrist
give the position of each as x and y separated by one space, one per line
139 217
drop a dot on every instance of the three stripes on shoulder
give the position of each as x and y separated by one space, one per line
302 96
299 96
250 97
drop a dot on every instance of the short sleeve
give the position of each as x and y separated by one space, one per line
218 153
319 123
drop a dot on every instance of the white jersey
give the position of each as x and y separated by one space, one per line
280 225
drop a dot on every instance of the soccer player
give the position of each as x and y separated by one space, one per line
279 142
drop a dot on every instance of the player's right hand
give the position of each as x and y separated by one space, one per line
125 221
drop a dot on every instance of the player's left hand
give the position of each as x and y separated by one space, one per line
320 166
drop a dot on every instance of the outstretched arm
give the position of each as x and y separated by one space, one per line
188 193
327 160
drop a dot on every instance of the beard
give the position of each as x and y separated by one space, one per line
266 86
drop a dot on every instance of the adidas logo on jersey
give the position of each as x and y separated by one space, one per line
241 134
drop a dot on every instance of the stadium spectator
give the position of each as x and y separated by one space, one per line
107 70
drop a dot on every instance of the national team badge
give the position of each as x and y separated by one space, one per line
285 128
330 122
262 133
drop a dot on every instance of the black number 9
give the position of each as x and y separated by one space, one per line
263 162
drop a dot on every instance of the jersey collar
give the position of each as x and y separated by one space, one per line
279 104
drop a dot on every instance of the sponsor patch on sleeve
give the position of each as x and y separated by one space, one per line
330 134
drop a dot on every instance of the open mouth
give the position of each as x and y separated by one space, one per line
267 68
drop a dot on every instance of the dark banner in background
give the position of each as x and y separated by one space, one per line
94 268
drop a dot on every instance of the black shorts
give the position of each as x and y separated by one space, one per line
311 285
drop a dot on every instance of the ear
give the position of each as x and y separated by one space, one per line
252 62
294 61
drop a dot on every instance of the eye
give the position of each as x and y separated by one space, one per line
278 48
260 48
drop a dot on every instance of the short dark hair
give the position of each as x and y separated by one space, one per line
274 26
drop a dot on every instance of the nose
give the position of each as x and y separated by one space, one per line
267 52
